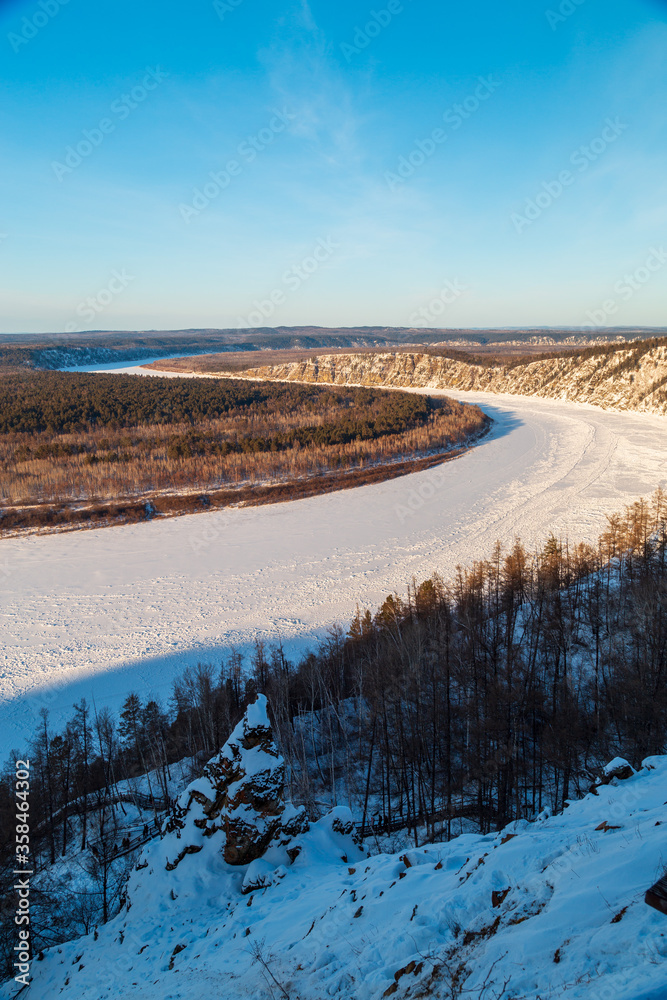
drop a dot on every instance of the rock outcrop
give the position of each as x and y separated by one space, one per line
618 768
239 799
630 377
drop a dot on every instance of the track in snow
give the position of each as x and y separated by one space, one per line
99 613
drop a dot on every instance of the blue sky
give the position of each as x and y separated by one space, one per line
363 157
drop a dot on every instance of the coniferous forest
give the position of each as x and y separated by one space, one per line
82 448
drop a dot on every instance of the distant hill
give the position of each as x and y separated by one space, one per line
58 350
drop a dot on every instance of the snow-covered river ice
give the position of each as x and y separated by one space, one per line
100 613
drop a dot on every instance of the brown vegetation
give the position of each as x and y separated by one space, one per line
63 515
93 460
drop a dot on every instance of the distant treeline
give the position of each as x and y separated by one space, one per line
61 350
637 350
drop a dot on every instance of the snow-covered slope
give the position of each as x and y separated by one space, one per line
619 381
545 909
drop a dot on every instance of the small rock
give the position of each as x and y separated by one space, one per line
618 768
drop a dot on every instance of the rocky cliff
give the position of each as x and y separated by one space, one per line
631 377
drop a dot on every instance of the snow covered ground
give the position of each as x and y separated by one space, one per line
99 613
541 910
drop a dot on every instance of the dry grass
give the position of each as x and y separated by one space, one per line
64 515
286 443
139 460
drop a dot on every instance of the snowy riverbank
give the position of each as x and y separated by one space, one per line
99 613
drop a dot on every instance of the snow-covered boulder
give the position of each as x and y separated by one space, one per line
239 799
336 835
332 839
260 874
617 768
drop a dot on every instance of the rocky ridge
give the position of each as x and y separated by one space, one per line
632 377
239 800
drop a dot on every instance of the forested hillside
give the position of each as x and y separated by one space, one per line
459 706
59 350
615 377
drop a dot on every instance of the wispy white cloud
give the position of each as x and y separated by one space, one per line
304 75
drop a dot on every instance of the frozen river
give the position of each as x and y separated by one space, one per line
99 613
